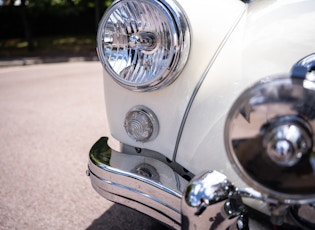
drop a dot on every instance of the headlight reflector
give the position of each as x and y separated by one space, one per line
143 44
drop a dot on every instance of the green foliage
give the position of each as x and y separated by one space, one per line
61 45
27 20
64 3
60 6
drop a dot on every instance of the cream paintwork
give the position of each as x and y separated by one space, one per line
201 146
255 49
268 38
273 36
208 28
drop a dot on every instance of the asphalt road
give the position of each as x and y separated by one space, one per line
50 116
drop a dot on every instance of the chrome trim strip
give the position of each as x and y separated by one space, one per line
192 98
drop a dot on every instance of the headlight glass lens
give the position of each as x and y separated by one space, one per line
143 44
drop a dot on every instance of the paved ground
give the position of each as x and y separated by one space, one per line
50 115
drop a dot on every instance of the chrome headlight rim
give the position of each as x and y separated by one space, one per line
180 33
268 191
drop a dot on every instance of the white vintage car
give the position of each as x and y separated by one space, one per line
213 104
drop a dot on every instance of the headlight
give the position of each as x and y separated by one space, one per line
143 44
269 137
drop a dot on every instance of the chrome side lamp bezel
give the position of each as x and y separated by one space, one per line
269 135
137 50
141 124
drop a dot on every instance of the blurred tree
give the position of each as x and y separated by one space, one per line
49 17
21 6
97 12
27 30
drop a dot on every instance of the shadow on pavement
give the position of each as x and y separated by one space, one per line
119 217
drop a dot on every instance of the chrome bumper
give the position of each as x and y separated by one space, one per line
209 201
111 178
